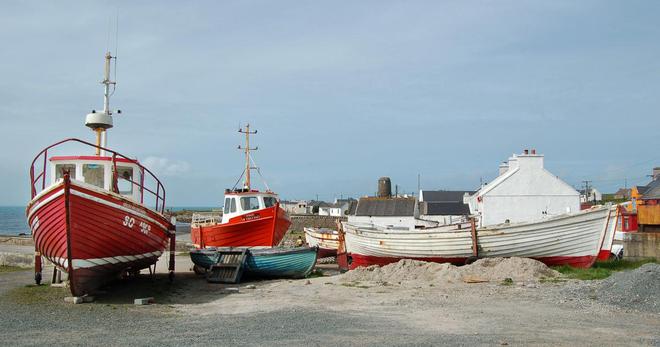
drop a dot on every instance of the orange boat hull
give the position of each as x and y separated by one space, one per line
261 228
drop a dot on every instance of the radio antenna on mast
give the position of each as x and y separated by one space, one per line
247 149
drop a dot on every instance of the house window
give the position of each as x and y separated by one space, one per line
249 203
93 174
61 168
227 203
125 180
269 201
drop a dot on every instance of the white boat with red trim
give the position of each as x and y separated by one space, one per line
574 239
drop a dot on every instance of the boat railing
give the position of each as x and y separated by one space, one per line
202 219
155 189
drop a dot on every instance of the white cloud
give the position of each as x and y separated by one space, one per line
166 167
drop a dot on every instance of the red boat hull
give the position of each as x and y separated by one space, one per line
326 252
358 260
94 235
261 228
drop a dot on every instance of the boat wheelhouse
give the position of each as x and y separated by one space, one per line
98 171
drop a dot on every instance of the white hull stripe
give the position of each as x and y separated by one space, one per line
89 263
90 197
116 206
44 202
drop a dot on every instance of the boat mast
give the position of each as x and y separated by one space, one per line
247 150
100 122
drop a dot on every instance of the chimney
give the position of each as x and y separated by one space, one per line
533 151
656 173
526 151
504 167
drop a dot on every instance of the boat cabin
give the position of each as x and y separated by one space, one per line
97 171
238 203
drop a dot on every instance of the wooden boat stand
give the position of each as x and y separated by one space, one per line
475 243
229 268
57 276
342 256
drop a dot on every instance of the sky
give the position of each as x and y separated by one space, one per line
341 92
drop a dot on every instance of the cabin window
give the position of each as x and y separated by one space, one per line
61 168
249 203
269 201
93 174
233 206
125 180
227 203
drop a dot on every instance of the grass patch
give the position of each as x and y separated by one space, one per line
7 268
37 294
507 282
552 280
601 270
355 285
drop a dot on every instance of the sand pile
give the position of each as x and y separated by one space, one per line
517 269
638 289
403 270
483 270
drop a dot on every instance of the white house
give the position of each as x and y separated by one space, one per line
524 191
594 195
296 207
326 209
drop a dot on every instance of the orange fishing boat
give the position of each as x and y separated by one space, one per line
251 218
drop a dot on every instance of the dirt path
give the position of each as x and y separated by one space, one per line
322 311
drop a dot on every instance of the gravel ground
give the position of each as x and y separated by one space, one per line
320 311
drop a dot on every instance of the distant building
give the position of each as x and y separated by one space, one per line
591 196
524 191
327 209
444 206
648 205
386 211
623 193
297 207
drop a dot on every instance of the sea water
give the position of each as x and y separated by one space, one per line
13 220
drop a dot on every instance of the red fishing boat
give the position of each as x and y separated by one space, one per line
251 218
99 214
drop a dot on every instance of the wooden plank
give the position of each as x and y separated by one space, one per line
473 232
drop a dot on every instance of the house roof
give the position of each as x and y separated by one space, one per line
623 191
352 207
444 195
446 208
383 207
652 190
642 189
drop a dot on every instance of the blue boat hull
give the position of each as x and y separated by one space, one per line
204 258
278 263
268 262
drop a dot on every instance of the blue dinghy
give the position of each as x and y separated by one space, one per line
204 259
281 262
267 262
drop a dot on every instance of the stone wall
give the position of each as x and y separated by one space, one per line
639 245
16 240
300 221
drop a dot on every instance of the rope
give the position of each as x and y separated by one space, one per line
259 172
239 179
